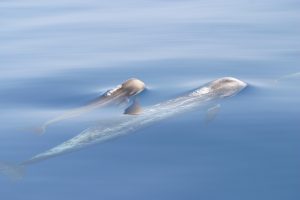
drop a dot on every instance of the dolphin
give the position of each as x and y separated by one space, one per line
215 90
118 94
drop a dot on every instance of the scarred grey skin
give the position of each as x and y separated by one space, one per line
129 88
220 88
215 90
119 94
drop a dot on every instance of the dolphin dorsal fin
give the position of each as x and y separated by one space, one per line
134 109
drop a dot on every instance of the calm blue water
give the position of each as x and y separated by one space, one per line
60 54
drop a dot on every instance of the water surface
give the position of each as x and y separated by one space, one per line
58 55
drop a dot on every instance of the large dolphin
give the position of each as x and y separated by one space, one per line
215 90
120 93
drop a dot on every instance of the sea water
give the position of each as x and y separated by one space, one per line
58 55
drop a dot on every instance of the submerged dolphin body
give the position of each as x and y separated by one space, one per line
120 93
215 90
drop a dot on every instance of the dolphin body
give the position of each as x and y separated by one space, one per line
120 93
215 90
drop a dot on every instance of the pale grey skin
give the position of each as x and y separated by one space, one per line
215 90
120 93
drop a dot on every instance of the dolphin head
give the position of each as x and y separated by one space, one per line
226 86
133 86
223 87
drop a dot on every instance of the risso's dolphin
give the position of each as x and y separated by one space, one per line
215 90
120 93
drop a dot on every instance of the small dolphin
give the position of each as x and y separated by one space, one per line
120 93
215 90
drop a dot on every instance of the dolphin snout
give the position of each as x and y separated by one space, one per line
242 83
237 82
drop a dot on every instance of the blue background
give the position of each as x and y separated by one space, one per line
60 54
